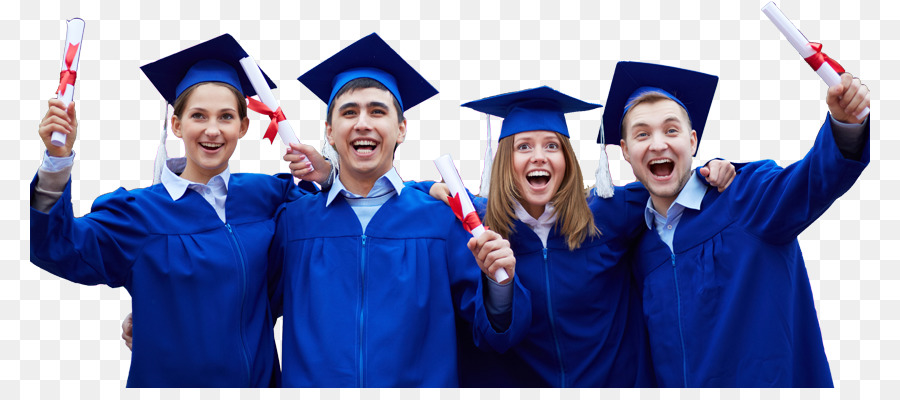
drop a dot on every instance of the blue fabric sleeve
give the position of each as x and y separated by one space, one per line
777 204
99 248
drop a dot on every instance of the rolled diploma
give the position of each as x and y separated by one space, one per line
801 44
451 177
285 132
74 34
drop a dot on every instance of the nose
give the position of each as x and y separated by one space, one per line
538 155
658 142
362 123
212 129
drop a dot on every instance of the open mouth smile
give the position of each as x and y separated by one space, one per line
364 147
661 168
211 146
538 178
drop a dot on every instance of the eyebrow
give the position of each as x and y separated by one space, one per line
205 110
371 104
669 119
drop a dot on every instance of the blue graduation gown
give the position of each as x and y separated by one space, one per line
199 287
732 307
587 329
376 308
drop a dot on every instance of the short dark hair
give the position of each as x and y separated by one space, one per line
181 101
364 83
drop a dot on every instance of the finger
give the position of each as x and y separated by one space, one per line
705 172
71 112
471 244
47 129
850 93
854 104
714 173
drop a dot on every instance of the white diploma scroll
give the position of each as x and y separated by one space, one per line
285 132
803 46
66 92
451 177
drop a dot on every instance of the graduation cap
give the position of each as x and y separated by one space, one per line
215 60
537 109
369 57
692 90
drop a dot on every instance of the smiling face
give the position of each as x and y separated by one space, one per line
539 167
210 126
365 130
658 142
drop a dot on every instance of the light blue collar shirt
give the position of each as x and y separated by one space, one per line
691 196
214 192
365 206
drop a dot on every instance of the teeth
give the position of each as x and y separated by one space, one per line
654 162
212 145
538 173
363 151
364 143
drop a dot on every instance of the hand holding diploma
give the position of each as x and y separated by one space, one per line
828 69
59 119
493 257
71 54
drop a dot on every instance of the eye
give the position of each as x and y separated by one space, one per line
348 113
379 111
552 146
227 116
672 130
197 115
640 135
523 147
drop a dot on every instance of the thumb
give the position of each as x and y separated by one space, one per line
704 171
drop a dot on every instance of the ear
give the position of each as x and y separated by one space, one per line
694 141
328 134
624 147
176 126
402 136
245 124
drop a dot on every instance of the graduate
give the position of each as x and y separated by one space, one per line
726 295
374 274
570 243
192 250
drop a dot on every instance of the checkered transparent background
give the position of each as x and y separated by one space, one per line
59 339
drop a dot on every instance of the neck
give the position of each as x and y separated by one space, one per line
662 204
533 210
359 183
200 175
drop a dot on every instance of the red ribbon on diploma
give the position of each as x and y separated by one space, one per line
275 116
816 60
67 76
470 221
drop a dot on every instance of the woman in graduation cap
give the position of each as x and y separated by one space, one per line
569 245
192 250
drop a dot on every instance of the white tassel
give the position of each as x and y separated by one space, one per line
603 185
488 163
161 154
331 154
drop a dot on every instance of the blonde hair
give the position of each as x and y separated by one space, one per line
574 217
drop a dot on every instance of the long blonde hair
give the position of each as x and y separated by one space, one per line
574 217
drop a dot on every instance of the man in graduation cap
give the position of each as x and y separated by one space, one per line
726 294
374 275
